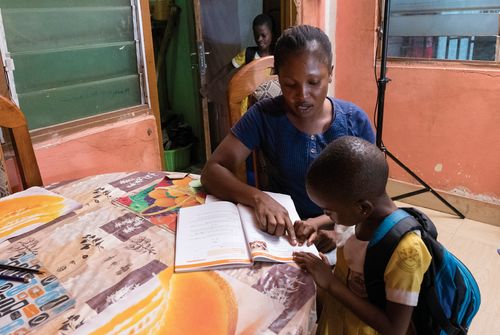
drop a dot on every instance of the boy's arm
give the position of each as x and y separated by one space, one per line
322 232
307 230
395 319
318 230
321 222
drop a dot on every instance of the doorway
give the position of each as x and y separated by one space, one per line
226 29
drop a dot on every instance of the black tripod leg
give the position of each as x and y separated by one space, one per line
382 82
427 188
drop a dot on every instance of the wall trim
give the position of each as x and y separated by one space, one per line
76 126
444 64
472 209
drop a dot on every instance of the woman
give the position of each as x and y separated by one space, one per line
290 130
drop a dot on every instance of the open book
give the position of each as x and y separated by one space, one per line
221 234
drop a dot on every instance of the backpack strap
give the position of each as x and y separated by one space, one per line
379 251
250 54
423 219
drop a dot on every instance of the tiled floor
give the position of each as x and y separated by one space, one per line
475 244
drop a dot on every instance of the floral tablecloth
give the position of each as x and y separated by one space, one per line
118 268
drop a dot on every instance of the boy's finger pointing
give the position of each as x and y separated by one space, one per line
291 231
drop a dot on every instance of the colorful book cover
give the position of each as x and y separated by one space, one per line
160 203
30 209
28 305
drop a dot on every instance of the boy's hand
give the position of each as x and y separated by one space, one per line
308 232
318 268
325 240
305 232
273 218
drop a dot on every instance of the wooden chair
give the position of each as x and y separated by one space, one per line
13 119
245 82
242 85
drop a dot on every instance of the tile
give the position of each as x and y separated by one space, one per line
475 244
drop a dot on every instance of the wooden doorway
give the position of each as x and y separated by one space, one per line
224 27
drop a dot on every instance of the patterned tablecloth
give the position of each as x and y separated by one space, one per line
118 268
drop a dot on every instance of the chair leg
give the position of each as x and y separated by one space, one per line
4 180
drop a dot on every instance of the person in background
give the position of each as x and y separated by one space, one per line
290 130
262 27
215 89
348 181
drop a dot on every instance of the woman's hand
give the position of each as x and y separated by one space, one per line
273 218
319 269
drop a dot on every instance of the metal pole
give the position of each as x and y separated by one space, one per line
382 83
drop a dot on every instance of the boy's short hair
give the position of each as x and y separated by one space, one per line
263 19
349 168
298 38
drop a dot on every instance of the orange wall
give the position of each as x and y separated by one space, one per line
440 119
313 13
129 145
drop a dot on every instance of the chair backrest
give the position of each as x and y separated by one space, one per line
245 82
241 86
13 119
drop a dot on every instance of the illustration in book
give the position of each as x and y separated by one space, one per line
160 203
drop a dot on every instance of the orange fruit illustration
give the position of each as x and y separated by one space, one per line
177 192
182 182
200 303
164 202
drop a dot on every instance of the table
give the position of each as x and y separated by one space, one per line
118 267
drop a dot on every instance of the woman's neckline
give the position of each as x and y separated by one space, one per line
327 128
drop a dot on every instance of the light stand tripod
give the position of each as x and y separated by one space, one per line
381 84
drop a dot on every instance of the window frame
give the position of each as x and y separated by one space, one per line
148 83
426 62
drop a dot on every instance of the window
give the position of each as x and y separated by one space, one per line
445 29
67 60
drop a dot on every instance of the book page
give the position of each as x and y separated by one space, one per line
266 247
210 236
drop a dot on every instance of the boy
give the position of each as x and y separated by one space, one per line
348 181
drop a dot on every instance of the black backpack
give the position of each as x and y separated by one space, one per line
449 295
